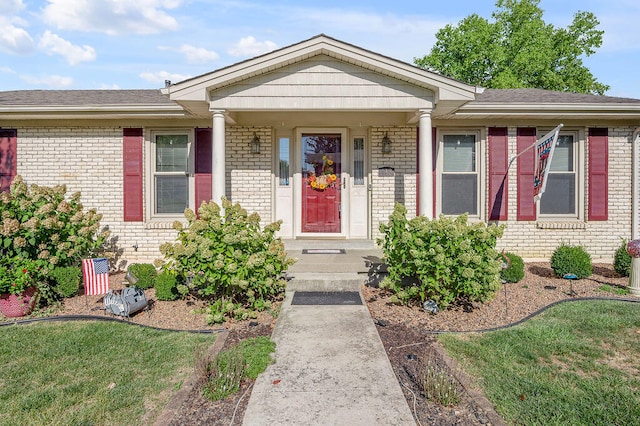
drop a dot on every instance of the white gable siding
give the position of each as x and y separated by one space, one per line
322 83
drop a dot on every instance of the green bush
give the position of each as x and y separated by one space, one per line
568 259
66 279
42 224
445 260
515 271
166 286
622 260
145 273
228 257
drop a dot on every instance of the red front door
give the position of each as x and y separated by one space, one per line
321 168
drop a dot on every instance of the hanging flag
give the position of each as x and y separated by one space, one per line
544 153
95 273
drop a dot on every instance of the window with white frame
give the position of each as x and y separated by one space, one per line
170 173
459 176
560 198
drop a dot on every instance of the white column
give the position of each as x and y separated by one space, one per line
218 172
425 170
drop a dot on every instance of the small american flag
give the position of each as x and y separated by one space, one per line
95 273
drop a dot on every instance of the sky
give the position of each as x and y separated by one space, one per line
138 44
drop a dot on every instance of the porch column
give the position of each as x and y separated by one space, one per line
424 161
218 170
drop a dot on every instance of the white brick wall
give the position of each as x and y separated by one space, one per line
401 186
89 159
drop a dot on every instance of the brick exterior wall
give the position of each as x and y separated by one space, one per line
397 186
89 159
538 239
249 176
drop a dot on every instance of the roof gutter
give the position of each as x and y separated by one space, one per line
635 192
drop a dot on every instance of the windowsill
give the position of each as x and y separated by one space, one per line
162 223
561 224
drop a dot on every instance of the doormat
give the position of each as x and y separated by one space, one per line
324 251
326 298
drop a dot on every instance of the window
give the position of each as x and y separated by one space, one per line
459 175
358 161
171 173
283 164
560 197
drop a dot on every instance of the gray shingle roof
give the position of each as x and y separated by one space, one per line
83 97
539 96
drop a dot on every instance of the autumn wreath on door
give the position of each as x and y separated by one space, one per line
324 177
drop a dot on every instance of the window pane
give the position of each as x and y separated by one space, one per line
284 162
559 196
562 160
459 194
172 153
172 194
459 153
358 161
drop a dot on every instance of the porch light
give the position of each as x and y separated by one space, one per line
386 144
255 144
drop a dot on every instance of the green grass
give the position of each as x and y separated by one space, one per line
63 373
576 364
614 289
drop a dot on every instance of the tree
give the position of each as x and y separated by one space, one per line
518 50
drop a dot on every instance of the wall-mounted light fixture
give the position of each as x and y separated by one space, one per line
386 144
255 144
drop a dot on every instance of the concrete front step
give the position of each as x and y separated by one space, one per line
310 281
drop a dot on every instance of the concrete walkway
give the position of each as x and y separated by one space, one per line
331 367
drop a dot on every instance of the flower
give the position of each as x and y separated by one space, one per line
18 274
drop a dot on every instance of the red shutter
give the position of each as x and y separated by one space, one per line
203 166
8 157
498 180
526 163
132 170
598 174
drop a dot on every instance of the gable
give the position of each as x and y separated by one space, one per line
321 82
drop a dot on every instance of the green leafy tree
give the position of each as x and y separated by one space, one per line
518 49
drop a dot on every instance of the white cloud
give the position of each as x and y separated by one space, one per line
109 87
249 46
52 43
159 77
7 70
112 17
57 81
13 39
10 7
194 55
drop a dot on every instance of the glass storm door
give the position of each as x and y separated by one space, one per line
321 182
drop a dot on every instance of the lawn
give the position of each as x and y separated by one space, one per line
81 373
576 364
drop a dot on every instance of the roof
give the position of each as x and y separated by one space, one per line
83 97
540 96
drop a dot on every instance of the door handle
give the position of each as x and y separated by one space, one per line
344 183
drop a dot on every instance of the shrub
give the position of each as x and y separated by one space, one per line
622 260
445 259
166 286
145 273
66 280
228 257
515 272
39 222
568 259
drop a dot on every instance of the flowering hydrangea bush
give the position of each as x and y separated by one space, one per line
227 258
445 260
40 226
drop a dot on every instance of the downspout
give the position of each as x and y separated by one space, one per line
635 195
